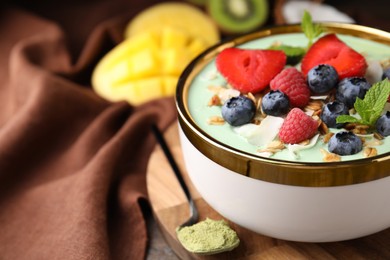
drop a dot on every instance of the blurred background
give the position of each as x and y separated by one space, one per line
88 13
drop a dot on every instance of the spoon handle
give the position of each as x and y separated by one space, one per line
168 154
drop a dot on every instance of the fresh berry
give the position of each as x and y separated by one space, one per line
292 82
322 78
238 110
297 127
250 70
383 124
329 49
349 89
345 143
275 103
386 73
331 111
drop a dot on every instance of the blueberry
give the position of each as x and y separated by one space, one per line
331 111
349 89
383 124
238 110
275 103
345 143
386 73
322 78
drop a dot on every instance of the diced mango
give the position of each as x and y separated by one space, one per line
145 40
174 60
196 46
177 15
148 89
169 84
157 48
173 38
138 91
141 64
144 63
125 92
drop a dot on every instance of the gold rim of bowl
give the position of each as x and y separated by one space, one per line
324 174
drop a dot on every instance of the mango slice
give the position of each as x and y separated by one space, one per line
146 66
182 16
159 43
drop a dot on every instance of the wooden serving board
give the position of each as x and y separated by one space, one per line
170 209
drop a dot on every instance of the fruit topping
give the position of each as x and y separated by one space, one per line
238 110
275 103
383 124
250 70
238 16
329 49
386 73
292 82
331 111
371 107
349 89
322 78
297 127
347 93
345 143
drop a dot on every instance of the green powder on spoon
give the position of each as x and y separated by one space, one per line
208 237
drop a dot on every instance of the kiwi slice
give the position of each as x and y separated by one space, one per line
238 16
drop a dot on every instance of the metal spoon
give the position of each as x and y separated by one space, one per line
194 214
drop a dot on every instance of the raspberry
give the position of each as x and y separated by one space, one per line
293 83
297 127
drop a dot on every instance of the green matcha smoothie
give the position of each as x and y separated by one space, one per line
199 96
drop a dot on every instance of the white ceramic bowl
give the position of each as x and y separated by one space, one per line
310 202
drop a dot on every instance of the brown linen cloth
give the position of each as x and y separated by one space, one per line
72 165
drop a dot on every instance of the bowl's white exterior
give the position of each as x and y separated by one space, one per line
290 212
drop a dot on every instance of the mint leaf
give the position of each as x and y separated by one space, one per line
310 29
370 108
347 119
363 109
294 53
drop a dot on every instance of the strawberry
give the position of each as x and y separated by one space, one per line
329 49
297 127
292 83
250 70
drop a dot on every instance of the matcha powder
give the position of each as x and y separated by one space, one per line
208 236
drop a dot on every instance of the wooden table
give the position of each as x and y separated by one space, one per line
170 209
